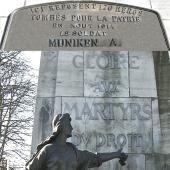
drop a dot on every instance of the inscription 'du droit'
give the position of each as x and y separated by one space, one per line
131 140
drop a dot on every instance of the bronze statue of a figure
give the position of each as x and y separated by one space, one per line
57 154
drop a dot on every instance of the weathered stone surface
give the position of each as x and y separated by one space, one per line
47 75
42 120
142 75
57 105
157 162
69 74
33 28
104 124
134 162
162 69
106 74
156 127
165 125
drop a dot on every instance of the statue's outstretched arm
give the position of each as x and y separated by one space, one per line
103 157
95 160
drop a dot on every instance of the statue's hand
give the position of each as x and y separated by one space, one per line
122 156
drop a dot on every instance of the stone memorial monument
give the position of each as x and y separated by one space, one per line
55 153
113 100
97 65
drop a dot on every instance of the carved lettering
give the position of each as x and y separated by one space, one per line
111 140
48 17
81 25
86 6
78 61
134 62
89 62
121 140
102 18
100 140
81 18
115 42
133 141
107 87
135 112
105 110
106 62
88 33
125 19
77 138
72 42
73 108
108 111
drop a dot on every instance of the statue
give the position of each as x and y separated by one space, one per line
57 154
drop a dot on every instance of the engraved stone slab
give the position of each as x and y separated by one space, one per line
134 162
156 126
106 74
165 125
47 75
104 124
157 162
142 74
45 108
86 25
69 75
162 69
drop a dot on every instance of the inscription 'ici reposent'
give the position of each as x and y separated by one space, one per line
85 31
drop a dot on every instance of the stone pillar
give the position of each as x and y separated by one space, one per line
112 98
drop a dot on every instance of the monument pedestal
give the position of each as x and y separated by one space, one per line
113 101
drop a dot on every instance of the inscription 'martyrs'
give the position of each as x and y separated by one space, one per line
108 111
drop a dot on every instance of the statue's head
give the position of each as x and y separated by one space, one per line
62 124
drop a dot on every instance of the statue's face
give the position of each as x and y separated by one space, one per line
67 128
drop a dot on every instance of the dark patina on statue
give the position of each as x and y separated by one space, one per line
57 154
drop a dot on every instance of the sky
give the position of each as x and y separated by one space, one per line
34 57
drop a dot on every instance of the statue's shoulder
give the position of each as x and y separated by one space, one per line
71 145
46 147
74 148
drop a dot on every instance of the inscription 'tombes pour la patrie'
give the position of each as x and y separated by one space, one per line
84 25
92 32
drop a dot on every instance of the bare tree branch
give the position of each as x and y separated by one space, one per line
16 97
